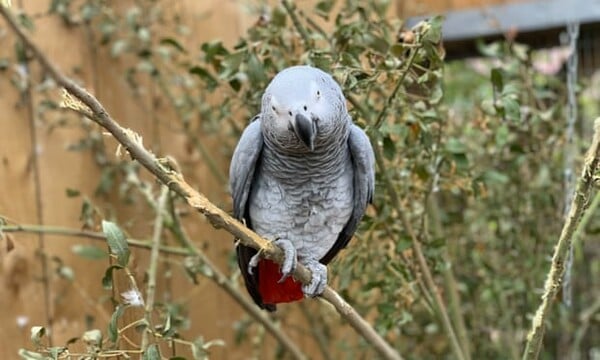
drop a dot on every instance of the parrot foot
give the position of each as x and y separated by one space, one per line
290 260
254 262
318 280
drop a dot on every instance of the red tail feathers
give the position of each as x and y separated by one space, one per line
270 290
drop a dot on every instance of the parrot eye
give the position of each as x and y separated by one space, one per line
273 108
290 113
305 108
318 93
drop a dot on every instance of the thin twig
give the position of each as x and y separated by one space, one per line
192 135
34 167
582 195
297 24
216 216
390 100
317 331
218 277
418 251
153 266
450 282
63 231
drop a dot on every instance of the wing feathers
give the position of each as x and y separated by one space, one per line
363 167
241 176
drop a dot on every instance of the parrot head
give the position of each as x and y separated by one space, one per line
302 108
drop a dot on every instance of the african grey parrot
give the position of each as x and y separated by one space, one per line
301 175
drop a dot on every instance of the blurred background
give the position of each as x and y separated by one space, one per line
480 124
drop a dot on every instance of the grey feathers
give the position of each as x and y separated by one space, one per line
301 172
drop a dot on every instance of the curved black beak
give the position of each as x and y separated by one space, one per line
306 130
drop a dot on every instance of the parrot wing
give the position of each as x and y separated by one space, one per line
363 167
243 163
241 177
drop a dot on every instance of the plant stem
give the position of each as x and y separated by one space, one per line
292 13
450 282
152 269
63 231
317 331
418 251
583 191
413 54
216 216
34 167
210 162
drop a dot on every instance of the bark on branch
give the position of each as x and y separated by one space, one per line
579 204
217 217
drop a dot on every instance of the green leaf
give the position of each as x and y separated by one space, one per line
434 34
492 50
90 252
172 42
502 135
117 242
455 146
497 77
231 64
389 148
72 192
512 108
213 50
323 8
278 17
151 353
37 333
92 337
113 328
119 47
66 273
25 21
203 74
255 70
55 351
167 325
4 64
493 176
31 355
107 280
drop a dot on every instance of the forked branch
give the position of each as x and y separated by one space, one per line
581 198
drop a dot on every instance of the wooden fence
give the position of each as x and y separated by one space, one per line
32 188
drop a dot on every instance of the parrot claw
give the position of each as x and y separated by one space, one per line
254 262
290 260
318 280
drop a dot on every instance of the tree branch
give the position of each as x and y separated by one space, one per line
579 204
153 267
220 279
217 217
440 307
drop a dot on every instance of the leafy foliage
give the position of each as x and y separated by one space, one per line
472 161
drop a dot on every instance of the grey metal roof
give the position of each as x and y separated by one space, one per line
523 16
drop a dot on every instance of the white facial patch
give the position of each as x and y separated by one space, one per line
315 91
275 106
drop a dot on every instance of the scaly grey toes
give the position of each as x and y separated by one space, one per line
289 258
254 260
318 280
